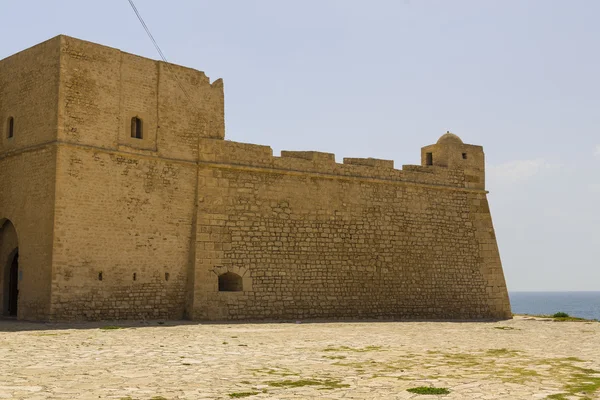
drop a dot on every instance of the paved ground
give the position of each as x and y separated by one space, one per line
517 359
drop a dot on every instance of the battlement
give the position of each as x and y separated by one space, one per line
248 155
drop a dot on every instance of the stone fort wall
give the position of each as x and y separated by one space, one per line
317 239
148 228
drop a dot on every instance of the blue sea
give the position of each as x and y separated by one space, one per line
576 304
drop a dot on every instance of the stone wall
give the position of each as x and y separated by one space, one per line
123 235
325 243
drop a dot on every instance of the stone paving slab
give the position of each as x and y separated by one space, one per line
517 359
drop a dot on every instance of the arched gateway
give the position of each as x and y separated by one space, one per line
9 268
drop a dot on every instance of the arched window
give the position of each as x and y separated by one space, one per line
10 127
137 128
230 282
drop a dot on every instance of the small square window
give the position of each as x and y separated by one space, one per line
464 156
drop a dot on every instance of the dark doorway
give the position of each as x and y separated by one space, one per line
13 286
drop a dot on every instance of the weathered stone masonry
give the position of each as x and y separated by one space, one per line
96 223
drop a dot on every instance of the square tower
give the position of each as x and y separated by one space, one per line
98 154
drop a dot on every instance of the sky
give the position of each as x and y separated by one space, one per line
384 78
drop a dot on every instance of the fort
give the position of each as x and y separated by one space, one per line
121 199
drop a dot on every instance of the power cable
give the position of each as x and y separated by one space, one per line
139 16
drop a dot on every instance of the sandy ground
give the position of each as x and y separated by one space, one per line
517 359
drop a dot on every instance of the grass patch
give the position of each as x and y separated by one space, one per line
571 319
584 383
575 359
428 390
502 352
283 372
335 357
506 328
111 327
561 375
561 317
326 383
239 395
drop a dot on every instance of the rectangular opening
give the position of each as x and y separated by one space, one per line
11 127
136 128
428 158
464 156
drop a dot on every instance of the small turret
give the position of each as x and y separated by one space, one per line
451 152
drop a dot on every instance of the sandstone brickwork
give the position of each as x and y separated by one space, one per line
122 200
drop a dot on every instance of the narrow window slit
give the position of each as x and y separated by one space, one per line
137 128
99 276
10 127
429 158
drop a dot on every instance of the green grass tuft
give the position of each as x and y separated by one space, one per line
558 396
239 395
428 390
561 314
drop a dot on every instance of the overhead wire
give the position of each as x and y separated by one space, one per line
195 219
162 55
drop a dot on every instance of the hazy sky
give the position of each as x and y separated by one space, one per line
383 78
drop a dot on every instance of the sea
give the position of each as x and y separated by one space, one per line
576 304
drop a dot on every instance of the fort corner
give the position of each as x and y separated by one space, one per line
120 199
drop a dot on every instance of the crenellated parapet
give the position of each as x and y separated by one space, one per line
447 170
